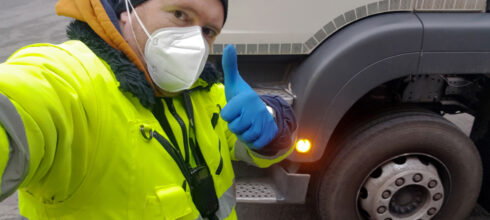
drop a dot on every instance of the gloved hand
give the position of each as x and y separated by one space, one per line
245 112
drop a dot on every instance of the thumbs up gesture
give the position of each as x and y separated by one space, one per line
245 112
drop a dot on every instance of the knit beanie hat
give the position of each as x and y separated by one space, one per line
119 6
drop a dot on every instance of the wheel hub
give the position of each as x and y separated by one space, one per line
402 189
408 199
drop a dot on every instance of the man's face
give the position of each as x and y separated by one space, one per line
157 14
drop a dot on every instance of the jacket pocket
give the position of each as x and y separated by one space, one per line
168 202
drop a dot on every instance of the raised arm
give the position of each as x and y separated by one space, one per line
41 116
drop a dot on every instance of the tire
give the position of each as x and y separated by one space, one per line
413 140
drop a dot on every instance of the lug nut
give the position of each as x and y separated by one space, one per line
400 181
432 211
386 194
432 184
381 209
437 196
417 177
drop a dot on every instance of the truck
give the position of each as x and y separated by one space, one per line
370 82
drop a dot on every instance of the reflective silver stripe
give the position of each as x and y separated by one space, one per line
242 154
226 202
18 163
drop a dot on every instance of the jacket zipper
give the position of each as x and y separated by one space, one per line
220 166
171 107
214 122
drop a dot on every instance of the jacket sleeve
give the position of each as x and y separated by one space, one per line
274 152
39 106
286 123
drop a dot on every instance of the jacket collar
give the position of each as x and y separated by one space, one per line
131 78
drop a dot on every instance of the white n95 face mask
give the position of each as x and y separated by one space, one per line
175 56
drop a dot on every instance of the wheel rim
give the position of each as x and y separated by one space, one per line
406 187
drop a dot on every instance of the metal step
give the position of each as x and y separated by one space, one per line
255 192
270 185
283 93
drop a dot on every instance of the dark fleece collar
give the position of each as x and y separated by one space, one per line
131 79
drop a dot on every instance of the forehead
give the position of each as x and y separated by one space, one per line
210 11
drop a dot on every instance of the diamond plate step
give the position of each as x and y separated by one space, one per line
255 192
287 96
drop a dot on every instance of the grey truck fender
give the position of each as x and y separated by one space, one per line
375 50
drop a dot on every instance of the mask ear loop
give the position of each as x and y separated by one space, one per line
132 28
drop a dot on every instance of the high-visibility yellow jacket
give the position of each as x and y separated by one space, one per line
71 142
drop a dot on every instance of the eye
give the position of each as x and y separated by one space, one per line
209 33
181 15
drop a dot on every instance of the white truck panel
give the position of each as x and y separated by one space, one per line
285 21
297 27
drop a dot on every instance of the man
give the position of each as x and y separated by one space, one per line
123 121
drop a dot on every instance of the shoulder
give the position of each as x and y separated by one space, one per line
63 52
71 59
217 91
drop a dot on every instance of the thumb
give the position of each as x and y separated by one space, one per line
230 69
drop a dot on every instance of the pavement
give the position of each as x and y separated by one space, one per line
9 209
24 22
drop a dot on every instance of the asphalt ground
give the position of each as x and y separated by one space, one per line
24 22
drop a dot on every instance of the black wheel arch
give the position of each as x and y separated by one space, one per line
378 49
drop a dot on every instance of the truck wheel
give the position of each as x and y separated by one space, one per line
402 165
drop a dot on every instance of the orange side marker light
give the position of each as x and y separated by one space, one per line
303 146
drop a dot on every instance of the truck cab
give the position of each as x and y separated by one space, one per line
370 83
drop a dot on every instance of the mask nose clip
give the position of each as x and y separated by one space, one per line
155 41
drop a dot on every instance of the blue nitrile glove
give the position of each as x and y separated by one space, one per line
245 112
